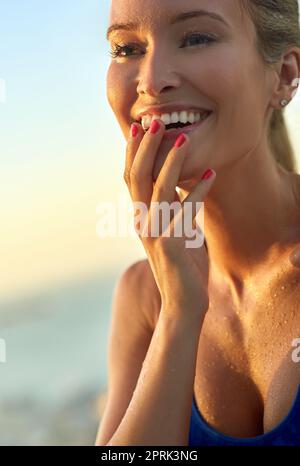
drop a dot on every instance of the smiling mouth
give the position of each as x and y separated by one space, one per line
177 128
174 130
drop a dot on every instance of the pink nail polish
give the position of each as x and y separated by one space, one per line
180 141
154 127
207 174
133 130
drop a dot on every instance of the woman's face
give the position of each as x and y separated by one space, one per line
200 62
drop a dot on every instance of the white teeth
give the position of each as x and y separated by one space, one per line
183 116
146 122
191 117
166 118
174 117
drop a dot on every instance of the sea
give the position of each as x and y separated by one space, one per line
53 369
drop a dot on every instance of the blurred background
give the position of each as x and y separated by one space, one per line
61 154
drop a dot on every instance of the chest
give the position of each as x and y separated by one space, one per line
246 379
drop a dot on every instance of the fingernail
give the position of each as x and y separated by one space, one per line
133 130
207 174
154 127
180 141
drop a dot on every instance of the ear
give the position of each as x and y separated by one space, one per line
287 71
295 257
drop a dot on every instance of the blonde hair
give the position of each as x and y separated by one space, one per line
277 28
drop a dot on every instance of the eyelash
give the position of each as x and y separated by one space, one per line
118 49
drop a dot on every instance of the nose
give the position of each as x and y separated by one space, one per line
156 75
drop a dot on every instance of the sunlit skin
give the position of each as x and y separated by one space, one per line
228 76
252 212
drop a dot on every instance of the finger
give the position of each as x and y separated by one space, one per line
187 216
133 143
170 172
199 193
141 175
177 197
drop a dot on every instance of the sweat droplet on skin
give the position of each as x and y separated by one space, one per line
295 257
210 418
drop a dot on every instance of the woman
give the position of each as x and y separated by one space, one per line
203 339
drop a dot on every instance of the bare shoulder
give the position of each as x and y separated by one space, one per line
133 316
139 280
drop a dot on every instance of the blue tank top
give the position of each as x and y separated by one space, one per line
287 433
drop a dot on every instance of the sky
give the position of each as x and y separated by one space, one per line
61 148
59 152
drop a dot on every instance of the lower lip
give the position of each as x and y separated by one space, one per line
175 132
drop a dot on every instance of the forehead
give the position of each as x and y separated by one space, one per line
154 13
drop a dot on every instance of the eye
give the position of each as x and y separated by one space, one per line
202 38
119 50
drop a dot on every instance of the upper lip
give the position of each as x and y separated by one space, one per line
161 109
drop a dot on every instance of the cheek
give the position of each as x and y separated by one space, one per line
116 87
118 96
112 87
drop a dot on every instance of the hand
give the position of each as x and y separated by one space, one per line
181 272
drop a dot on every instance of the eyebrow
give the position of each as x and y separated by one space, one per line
132 26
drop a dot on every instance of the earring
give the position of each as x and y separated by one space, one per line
284 102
